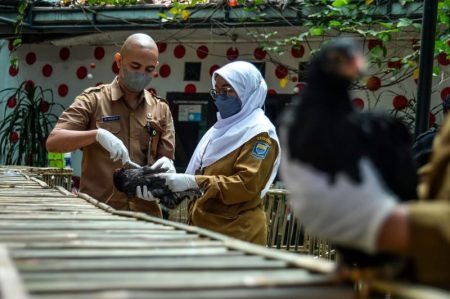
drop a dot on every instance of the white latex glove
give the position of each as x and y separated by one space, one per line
178 182
113 145
164 162
144 193
344 212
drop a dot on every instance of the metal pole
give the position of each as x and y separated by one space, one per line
426 65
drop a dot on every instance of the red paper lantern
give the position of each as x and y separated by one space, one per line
13 137
271 92
374 43
82 72
445 93
432 119
47 70
395 64
281 72
213 68
190 88
179 51
164 71
161 47
297 51
30 58
12 102
232 53
373 83
202 52
115 68
99 53
98 84
259 53
64 53
29 85
358 103
10 45
442 59
232 3
63 90
152 91
13 71
44 106
400 102
300 86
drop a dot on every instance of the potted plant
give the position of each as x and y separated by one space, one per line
27 122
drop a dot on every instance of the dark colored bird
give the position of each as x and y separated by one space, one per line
126 181
326 132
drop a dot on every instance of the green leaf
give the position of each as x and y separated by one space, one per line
340 3
334 23
316 31
404 23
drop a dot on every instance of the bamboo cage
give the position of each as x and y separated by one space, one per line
57 245
53 176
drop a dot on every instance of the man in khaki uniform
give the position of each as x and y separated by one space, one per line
121 121
237 159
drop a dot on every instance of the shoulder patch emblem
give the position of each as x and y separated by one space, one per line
260 150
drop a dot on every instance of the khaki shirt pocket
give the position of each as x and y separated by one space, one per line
113 126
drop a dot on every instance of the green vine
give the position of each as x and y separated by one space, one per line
17 42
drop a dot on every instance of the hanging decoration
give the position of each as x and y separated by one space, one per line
63 90
164 71
297 51
259 53
161 47
271 92
30 58
64 53
358 103
442 59
13 71
400 102
373 83
99 53
47 70
190 88
284 81
445 92
232 53
82 72
202 52
179 51
432 119
281 71
213 68
374 43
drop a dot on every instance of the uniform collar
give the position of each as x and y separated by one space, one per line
117 93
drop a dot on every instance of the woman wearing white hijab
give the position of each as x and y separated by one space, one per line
237 159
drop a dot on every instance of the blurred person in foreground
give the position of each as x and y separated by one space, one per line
349 174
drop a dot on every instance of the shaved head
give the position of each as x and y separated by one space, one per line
137 40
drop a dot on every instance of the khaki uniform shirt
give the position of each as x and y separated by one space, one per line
232 203
147 132
430 218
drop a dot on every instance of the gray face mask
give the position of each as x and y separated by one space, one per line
136 81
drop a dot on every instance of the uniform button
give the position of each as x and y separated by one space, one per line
149 115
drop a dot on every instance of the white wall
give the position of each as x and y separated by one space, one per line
64 72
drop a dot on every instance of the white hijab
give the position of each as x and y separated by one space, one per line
231 133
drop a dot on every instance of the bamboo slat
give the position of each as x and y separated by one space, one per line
55 245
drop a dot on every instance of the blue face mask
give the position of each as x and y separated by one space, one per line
227 105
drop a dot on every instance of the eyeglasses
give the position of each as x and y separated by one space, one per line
226 90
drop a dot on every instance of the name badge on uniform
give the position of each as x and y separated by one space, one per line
260 150
109 118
